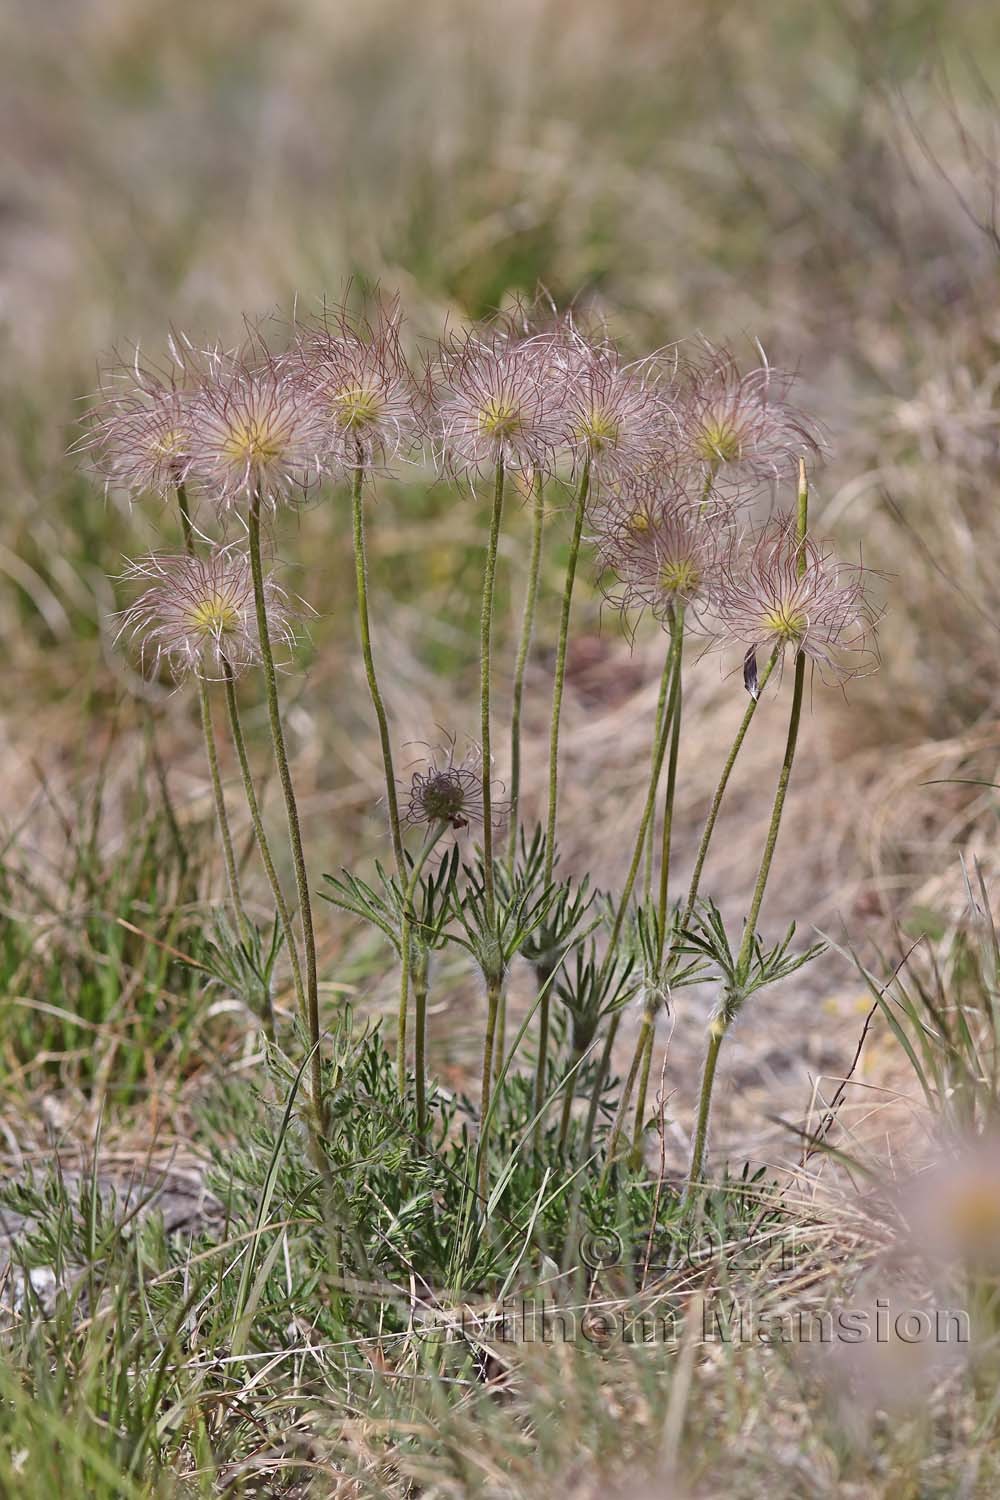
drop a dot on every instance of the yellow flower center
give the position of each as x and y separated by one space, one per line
214 616
638 523
357 407
254 441
169 444
718 440
600 429
499 417
679 576
786 622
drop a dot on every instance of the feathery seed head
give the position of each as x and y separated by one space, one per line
360 380
138 433
197 614
497 398
618 416
662 550
256 430
783 592
742 424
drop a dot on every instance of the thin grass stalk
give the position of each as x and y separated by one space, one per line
744 958
559 681
364 625
284 916
291 806
211 751
521 663
485 672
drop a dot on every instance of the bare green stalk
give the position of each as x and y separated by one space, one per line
405 948
521 663
211 752
647 878
284 916
364 624
494 985
720 1025
291 806
583 491
485 671
229 858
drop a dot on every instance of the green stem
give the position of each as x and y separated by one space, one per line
361 576
668 801
284 916
208 733
405 947
640 1098
671 671
720 790
541 1064
291 807
583 490
647 879
228 855
521 663
744 958
493 988
420 1040
716 1034
645 1035
485 649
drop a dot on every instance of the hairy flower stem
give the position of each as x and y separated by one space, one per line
720 790
291 808
419 971
668 800
644 1042
521 663
672 674
494 985
485 669
647 879
284 916
364 624
672 671
405 948
211 753
744 958
583 491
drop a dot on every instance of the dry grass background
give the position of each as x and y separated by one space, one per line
817 177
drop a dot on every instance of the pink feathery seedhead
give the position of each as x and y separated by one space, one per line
364 389
619 417
741 426
138 434
663 551
197 614
766 601
496 398
255 431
